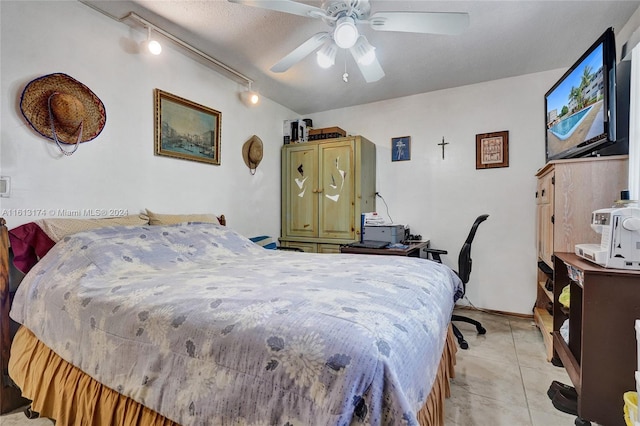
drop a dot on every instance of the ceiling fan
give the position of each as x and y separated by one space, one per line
343 16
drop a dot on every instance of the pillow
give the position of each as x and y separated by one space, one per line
172 219
264 241
28 244
57 229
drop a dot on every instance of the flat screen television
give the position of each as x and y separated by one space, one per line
581 106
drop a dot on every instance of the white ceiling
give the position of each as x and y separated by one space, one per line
504 39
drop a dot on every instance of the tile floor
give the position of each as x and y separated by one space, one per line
502 379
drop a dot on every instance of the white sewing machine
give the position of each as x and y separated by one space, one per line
620 242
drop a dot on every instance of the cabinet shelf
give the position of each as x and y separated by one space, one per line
568 360
544 289
544 321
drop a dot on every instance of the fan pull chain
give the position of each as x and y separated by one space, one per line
345 76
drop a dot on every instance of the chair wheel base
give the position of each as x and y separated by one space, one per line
582 422
463 344
481 330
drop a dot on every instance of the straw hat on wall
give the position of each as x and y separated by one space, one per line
252 153
62 109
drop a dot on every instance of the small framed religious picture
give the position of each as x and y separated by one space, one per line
492 150
401 148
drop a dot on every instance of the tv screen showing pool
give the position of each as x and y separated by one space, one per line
576 110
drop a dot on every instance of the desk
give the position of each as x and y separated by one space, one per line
412 251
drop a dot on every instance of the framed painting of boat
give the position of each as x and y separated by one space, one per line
185 129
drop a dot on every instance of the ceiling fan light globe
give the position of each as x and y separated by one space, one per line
326 56
324 61
364 52
346 34
368 58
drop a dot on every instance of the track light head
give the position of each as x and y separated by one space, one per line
153 46
250 97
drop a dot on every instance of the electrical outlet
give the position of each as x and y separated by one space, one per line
5 186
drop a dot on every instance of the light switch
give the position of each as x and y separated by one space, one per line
5 186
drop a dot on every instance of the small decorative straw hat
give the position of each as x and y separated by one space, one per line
252 153
62 109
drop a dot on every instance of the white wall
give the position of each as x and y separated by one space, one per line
440 199
437 198
118 169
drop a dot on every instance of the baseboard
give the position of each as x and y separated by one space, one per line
494 312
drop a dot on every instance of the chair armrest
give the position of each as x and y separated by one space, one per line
435 253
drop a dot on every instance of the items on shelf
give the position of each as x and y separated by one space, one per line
630 407
575 274
326 133
296 131
373 218
564 331
301 130
565 296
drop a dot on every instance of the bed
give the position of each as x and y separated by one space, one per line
193 324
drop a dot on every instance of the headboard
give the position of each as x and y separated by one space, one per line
10 398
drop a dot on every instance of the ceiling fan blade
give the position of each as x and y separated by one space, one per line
286 6
448 23
300 52
371 72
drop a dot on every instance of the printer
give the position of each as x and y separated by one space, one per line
375 228
620 241
390 233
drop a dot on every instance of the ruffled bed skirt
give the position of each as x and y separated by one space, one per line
62 392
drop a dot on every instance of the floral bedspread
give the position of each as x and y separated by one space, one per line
205 327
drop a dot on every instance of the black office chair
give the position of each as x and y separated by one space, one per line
464 270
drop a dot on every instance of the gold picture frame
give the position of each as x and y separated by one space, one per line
185 129
492 150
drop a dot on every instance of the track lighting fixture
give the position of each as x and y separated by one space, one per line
250 97
326 56
154 47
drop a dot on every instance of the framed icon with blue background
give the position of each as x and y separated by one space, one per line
401 148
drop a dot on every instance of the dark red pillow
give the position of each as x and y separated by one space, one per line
29 244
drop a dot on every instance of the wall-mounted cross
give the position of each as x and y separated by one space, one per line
442 144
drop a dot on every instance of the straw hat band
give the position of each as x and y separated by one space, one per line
70 112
